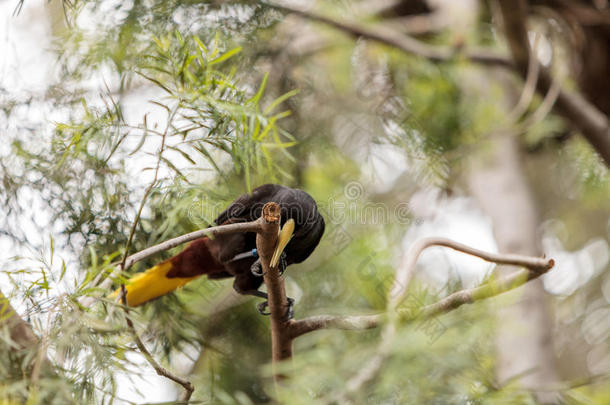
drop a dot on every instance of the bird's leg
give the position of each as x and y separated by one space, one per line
256 293
257 267
263 305
289 311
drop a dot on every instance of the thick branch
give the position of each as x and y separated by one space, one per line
266 241
582 114
571 105
534 267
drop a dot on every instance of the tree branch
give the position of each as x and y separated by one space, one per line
397 40
534 267
571 105
213 231
582 114
188 387
266 241
160 370
23 341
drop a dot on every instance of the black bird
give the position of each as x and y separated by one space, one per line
235 255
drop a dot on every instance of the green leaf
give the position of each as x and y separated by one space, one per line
280 100
225 56
183 153
257 97
155 81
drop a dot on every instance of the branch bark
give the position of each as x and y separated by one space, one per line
590 121
534 268
266 241
397 40
571 105
23 342
254 226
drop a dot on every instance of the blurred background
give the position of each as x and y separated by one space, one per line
482 121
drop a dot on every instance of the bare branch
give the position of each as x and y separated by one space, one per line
213 231
471 295
160 370
347 322
405 272
582 114
23 339
398 40
188 387
534 267
266 241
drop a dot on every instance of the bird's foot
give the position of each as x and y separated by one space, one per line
257 268
261 308
282 264
289 312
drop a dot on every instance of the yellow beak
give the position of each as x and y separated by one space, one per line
282 240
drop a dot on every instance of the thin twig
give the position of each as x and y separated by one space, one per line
188 387
148 189
41 355
212 232
529 87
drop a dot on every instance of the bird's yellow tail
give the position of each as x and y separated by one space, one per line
151 284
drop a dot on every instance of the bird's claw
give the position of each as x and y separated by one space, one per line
289 312
261 308
257 268
281 266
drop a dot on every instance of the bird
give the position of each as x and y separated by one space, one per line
235 255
